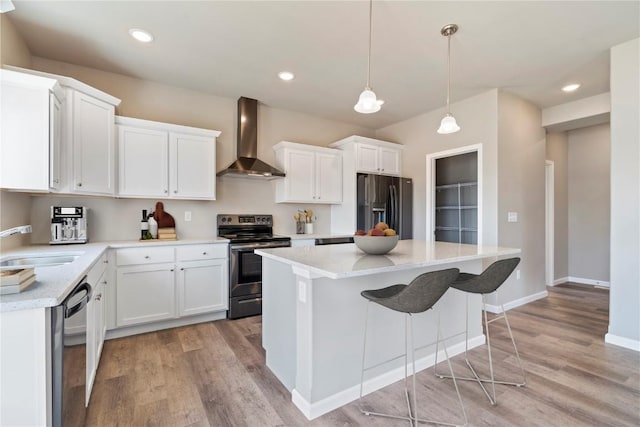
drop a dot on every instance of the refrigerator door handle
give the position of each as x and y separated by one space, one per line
392 207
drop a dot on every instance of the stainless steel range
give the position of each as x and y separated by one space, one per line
247 233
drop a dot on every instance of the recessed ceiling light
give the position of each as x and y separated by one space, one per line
141 35
571 87
286 75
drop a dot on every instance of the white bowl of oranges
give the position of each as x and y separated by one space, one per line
377 241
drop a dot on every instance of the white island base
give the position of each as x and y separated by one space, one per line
313 316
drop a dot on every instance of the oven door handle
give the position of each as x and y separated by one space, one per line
251 246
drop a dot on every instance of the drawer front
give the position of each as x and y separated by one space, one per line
201 252
96 271
131 256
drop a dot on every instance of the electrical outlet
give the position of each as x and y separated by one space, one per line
518 274
512 216
187 216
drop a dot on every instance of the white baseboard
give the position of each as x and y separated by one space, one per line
516 303
560 281
582 280
343 397
622 342
601 283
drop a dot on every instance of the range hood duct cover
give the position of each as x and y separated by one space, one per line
247 163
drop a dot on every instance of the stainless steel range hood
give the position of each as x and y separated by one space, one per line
248 164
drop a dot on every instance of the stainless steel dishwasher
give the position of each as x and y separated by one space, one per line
69 369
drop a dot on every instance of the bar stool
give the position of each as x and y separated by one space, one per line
418 296
486 283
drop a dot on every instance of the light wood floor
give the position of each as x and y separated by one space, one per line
213 374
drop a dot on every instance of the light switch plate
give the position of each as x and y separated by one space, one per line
512 217
187 216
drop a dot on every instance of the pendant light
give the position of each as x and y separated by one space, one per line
367 103
448 123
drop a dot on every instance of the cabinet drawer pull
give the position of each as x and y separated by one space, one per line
172 269
147 257
182 269
106 261
204 253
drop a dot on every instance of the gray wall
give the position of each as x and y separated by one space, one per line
624 316
589 202
557 149
521 189
477 117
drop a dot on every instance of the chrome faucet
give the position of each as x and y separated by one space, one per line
23 229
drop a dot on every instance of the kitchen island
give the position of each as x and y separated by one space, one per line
313 316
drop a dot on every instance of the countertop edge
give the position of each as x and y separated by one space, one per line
75 271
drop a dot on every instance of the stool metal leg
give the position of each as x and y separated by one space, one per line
492 397
413 411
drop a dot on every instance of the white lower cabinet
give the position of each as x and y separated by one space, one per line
168 282
96 331
145 293
202 287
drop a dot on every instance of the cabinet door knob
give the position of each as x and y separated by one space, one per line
79 184
204 253
146 257
106 261
175 191
172 269
166 191
182 269
98 297
104 283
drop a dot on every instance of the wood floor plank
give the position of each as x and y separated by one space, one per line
214 374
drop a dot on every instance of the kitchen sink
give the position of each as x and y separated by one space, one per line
38 260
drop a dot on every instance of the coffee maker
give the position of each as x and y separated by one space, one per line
68 225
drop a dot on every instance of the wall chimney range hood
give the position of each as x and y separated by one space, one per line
247 163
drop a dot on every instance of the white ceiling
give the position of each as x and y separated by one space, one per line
236 48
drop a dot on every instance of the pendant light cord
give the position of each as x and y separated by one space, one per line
448 69
369 57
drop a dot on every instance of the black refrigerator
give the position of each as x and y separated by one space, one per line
386 199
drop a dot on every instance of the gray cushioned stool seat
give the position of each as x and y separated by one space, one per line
489 280
418 296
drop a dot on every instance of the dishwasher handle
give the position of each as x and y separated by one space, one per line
82 287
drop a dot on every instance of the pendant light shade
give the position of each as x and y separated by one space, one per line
367 102
448 123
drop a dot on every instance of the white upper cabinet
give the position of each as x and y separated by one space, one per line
90 126
143 159
373 155
192 166
313 174
164 160
30 132
86 151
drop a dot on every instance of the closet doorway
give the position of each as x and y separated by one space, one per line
454 195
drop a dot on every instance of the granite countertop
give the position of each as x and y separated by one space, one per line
54 283
341 261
